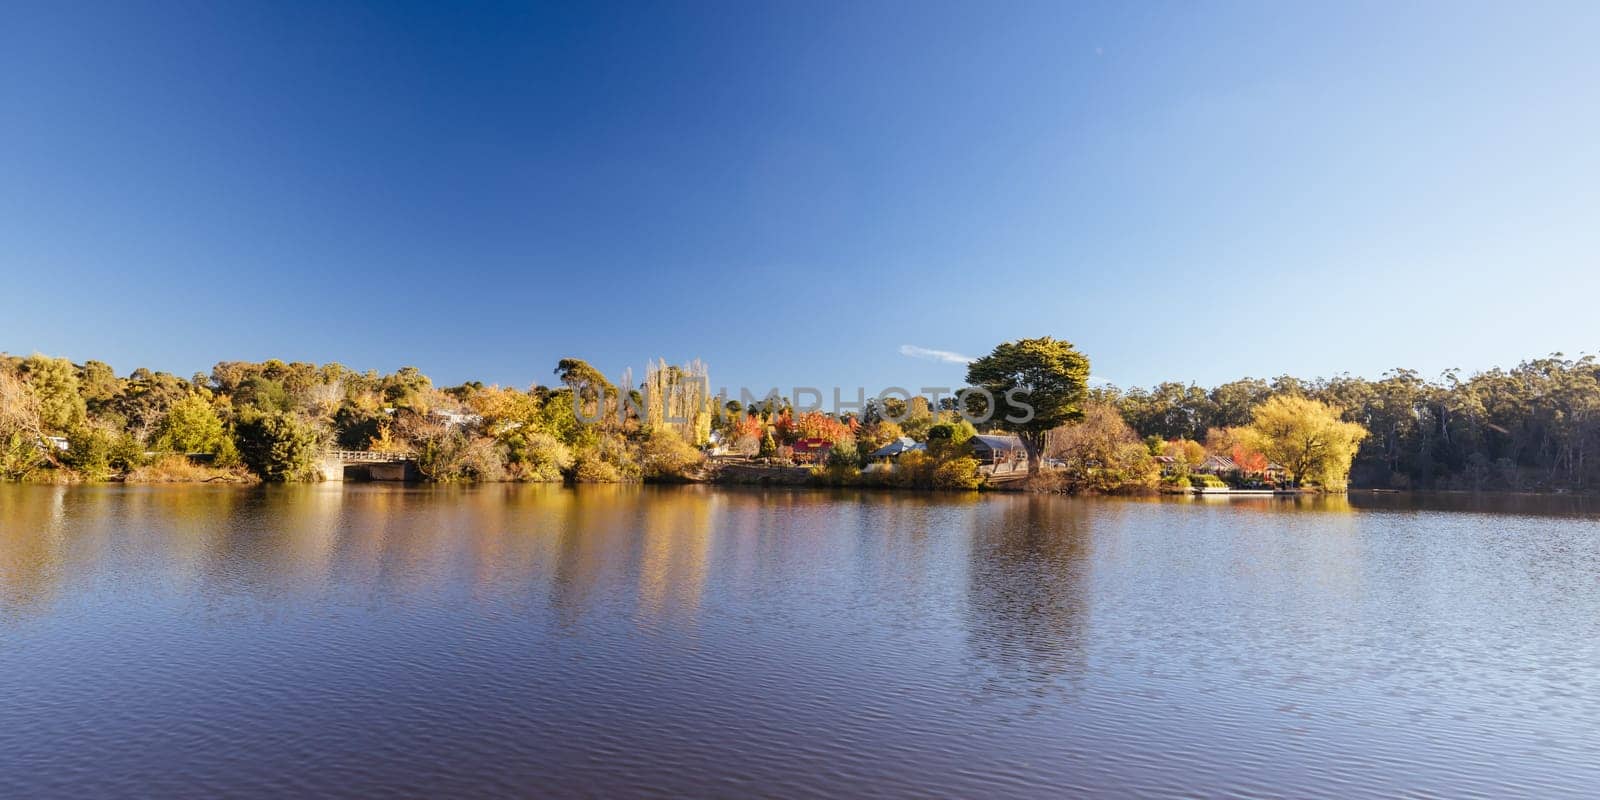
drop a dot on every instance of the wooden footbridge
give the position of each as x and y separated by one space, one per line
376 466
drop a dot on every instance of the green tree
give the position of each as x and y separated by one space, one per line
89 451
949 439
145 398
55 383
279 446
192 426
588 385
1037 384
98 384
356 427
406 388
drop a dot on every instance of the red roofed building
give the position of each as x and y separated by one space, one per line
812 451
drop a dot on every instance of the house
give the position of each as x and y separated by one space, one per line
455 419
993 449
897 448
1216 465
812 451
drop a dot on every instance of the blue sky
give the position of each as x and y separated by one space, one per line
797 194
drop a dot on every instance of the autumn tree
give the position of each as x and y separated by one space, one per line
744 434
876 434
1037 385
21 429
812 425
1250 462
1101 453
1186 451
1307 437
679 396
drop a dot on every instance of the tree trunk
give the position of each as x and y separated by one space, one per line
1033 443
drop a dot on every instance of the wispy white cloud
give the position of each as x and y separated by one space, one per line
929 354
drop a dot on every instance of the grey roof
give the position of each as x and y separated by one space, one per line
904 444
997 442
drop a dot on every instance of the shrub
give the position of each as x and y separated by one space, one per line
179 469
89 451
607 460
836 474
913 470
1048 480
844 454
592 469
666 456
541 457
1207 482
449 455
957 473
19 455
127 452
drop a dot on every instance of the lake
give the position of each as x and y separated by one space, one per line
624 641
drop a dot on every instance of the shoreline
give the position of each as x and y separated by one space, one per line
810 482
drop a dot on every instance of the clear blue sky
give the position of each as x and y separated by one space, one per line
793 193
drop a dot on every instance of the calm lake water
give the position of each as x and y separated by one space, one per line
362 640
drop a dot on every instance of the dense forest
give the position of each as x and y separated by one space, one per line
1532 428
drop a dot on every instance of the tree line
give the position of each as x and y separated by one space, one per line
272 420
1528 428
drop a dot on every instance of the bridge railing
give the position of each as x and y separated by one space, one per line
368 456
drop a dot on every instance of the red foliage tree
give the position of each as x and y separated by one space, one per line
1250 462
812 425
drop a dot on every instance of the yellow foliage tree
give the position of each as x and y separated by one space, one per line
1306 437
1188 451
877 434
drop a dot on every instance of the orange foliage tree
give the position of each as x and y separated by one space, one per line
1250 462
812 425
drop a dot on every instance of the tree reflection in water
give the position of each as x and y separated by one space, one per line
1028 607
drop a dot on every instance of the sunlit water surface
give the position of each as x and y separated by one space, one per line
367 640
